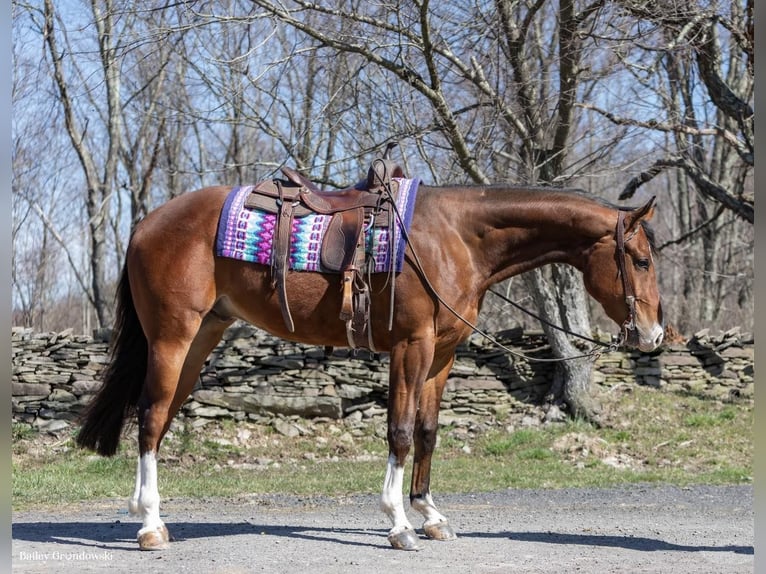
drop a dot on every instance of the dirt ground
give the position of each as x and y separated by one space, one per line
633 529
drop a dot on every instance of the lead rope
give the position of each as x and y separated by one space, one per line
593 353
552 325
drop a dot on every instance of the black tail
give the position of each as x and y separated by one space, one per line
104 417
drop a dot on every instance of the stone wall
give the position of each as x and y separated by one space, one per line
251 375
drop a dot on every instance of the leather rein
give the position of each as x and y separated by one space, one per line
628 329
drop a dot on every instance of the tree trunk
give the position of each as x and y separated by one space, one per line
559 296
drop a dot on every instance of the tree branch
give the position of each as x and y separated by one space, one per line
742 207
667 127
683 237
76 135
708 56
432 91
82 281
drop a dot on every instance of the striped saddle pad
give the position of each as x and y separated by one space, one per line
248 234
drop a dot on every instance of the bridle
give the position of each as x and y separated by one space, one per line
628 332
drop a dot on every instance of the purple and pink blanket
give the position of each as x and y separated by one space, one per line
247 234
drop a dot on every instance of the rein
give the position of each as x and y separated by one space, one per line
628 326
552 325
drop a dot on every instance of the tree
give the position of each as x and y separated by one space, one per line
494 66
691 50
635 96
99 179
43 214
115 133
694 63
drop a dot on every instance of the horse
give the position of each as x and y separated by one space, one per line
176 297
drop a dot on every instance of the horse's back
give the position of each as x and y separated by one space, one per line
195 209
184 227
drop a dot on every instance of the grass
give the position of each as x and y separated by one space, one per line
647 436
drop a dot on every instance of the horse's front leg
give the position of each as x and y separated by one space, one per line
410 364
435 525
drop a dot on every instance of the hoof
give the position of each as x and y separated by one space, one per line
405 540
439 531
157 539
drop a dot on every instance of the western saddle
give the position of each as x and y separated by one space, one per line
368 203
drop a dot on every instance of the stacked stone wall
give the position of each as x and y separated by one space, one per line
251 375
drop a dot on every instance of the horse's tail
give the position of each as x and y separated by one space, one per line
103 420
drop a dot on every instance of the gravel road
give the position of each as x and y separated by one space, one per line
634 529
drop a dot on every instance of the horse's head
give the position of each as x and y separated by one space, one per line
620 274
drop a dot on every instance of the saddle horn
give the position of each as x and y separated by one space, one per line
383 169
389 146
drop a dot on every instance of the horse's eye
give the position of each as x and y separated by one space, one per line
643 264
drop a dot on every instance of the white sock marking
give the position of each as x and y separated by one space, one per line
133 507
391 499
427 508
149 496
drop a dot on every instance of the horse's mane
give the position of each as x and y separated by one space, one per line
575 191
650 236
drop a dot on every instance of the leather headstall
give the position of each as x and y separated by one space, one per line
629 331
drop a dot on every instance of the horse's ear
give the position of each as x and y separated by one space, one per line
645 213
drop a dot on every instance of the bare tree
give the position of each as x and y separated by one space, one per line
692 50
150 46
114 126
156 100
693 66
474 70
43 213
99 170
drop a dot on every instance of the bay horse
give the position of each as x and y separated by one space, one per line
176 297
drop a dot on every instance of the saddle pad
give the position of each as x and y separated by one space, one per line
247 234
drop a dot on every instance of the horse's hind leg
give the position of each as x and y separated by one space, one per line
435 525
174 367
207 338
165 360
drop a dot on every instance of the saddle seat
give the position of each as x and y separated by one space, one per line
368 203
380 173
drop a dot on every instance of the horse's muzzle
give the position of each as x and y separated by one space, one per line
641 340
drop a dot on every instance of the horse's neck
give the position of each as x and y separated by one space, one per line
519 230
